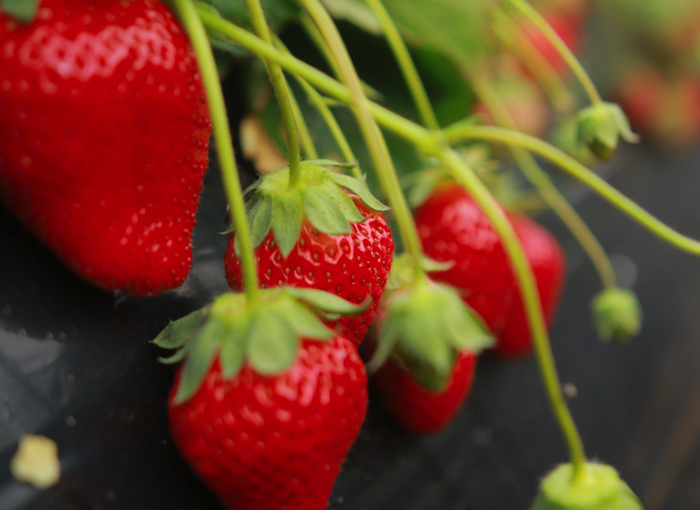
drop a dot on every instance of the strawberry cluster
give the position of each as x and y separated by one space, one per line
106 111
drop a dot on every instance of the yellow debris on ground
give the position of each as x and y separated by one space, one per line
36 462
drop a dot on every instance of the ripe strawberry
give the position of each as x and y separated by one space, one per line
268 400
417 409
103 138
353 265
453 228
567 29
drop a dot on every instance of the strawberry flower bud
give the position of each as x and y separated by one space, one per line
598 487
600 127
617 314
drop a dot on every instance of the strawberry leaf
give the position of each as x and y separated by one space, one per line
287 218
21 10
359 188
178 332
260 220
326 301
329 209
303 320
199 358
272 342
175 358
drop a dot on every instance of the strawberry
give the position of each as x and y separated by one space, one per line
567 29
104 134
453 228
268 400
353 263
417 409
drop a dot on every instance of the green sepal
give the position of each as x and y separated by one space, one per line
617 314
318 197
21 10
331 163
600 126
287 218
178 332
359 188
266 334
598 487
426 325
198 359
327 302
175 358
330 209
403 271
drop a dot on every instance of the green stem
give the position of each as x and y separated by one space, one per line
315 35
428 142
408 68
307 142
370 130
536 19
319 103
462 131
508 32
530 298
539 178
257 18
224 143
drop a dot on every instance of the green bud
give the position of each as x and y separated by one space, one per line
617 314
600 128
598 487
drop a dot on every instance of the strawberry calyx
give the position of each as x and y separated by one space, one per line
321 197
425 325
23 11
266 334
617 314
598 486
600 127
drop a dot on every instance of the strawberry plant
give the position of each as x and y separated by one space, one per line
102 155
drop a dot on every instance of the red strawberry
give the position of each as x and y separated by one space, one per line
104 131
569 32
420 410
268 400
354 265
453 228
275 442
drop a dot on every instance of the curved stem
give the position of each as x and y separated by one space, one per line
429 143
539 178
257 17
373 137
508 32
317 102
462 131
224 144
408 68
531 302
536 19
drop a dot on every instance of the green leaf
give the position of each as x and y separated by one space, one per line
327 302
287 218
175 358
359 188
331 163
305 323
22 10
260 220
389 334
200 355
272 342
325 213
233 345
178 332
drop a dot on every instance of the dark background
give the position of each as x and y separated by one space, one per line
76 365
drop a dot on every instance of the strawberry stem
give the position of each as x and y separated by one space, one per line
530 298
541 24
539 178
307 142
429 142
513 37
406 64
464 131
317 102
279 83
222 136
371 133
